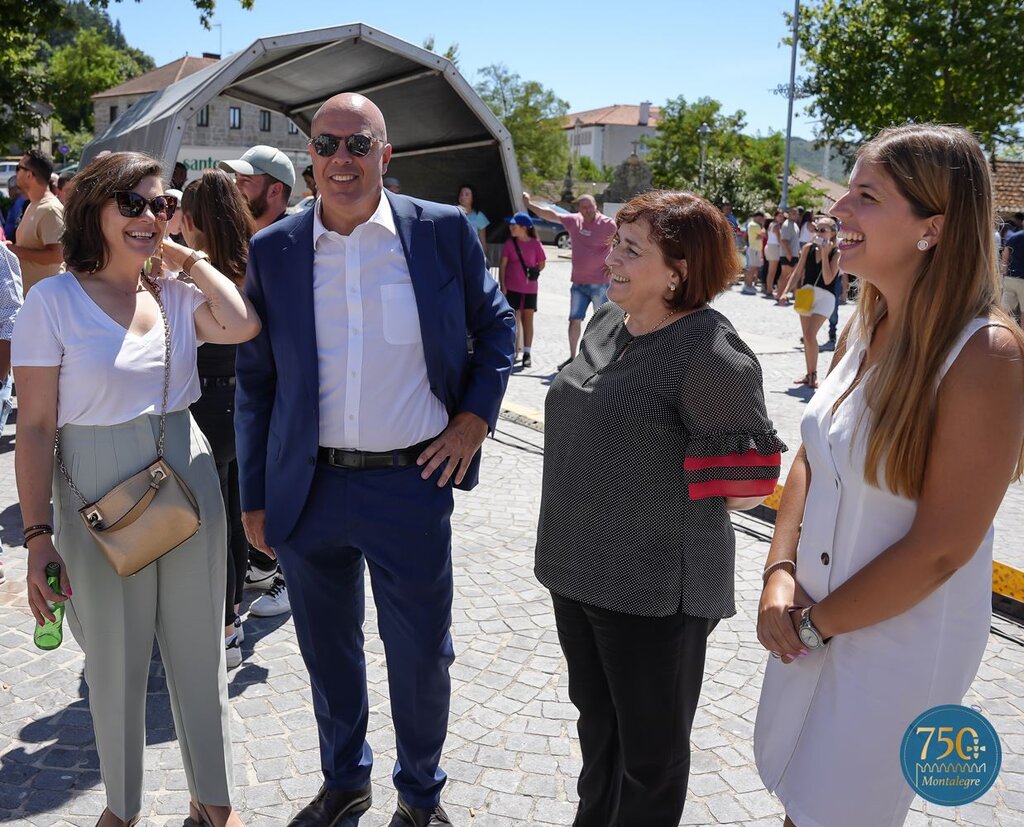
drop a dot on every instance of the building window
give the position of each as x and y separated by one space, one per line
203 117
235 117
113 114
264 120
292 128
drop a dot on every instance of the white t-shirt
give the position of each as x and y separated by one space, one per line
107 375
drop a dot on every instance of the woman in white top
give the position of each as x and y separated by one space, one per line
88 355
772 253
876 603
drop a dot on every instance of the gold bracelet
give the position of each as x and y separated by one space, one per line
778 564
192 260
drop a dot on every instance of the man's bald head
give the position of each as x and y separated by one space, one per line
353 102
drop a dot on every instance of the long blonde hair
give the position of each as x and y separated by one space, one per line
940 170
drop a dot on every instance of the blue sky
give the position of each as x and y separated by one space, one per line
590 53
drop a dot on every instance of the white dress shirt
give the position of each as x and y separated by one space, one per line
374 390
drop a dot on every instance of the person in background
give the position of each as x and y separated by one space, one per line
467 200
216 220
772 253
817 268
755 231
664 401
1012 259
17 208
37 241
179 176
307 176
266 178
877 596
392 184
806 227
590 232
63 182
174 225
88 329
10 303
789 242
523 248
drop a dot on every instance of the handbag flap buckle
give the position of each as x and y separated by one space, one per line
94 518
156 476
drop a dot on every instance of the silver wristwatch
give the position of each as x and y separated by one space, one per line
809 633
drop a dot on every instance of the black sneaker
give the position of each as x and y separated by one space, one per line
527 361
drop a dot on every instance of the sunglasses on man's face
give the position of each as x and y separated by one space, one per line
326 145
24 168
131 205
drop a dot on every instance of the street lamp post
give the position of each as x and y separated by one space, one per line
703 133
792 95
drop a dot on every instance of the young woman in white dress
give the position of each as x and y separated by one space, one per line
876 604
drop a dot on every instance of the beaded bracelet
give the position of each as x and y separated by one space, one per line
40 531
38 525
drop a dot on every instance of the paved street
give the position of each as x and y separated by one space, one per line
512 755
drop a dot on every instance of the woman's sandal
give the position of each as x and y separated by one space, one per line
129 823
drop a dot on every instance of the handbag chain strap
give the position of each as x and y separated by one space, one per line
155 289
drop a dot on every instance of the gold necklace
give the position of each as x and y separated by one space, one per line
662 321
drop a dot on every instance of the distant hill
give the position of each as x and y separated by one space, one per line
805 155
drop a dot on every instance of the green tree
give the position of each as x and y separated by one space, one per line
80 15
24 84
674 153
878 63
533 116
452 52
587 170
83 68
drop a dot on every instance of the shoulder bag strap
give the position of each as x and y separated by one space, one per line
520 254
153 287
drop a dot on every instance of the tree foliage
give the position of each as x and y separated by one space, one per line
739 168
533 115
878 63
588 170
452 52
81 69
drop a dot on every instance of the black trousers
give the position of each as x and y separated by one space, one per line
214 413
636 682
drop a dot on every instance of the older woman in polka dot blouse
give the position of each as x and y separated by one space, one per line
654 432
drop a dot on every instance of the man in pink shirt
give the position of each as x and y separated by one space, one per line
591 234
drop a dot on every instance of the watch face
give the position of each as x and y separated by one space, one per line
810 638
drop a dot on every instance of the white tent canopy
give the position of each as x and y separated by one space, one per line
442 133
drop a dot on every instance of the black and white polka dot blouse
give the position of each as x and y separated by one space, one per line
640 452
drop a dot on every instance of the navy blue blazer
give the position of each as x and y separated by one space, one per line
468 335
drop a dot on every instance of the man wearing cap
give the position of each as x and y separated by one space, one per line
591 233
266 178
385 351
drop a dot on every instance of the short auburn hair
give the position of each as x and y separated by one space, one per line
687 228
85 251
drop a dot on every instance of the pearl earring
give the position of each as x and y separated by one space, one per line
671 286
922 245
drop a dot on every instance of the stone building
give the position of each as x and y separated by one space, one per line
220 131
608 136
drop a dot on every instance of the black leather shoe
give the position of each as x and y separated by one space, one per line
331 806
408 816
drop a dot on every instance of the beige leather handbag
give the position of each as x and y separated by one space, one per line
151 512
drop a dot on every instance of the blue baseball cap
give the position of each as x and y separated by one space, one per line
520 218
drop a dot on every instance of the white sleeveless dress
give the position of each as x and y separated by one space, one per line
829 725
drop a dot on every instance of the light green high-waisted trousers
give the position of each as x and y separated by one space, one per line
179 599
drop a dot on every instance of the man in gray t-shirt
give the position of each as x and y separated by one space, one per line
789 235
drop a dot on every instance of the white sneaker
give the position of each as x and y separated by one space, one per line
274 602
239 631
3 577
232 652
260 579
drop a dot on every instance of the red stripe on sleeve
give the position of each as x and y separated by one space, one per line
731 488
749 459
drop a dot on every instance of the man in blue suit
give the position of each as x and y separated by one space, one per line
385 352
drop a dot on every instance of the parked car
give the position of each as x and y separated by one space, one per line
301 205
551 232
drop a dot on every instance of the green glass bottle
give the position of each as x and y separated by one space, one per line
51 634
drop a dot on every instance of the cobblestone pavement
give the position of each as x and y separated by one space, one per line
512 754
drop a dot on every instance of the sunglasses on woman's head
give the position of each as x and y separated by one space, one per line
131 205
326 145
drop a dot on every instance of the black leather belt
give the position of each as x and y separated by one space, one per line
216 381
400 458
